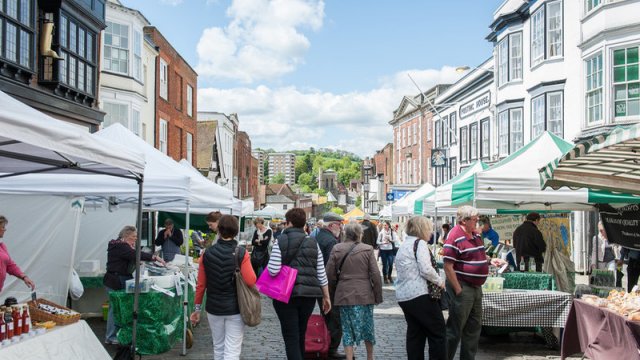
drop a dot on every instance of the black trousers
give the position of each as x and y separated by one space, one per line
293 323
332 319
633 272
424 322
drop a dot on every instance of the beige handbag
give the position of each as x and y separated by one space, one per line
248 297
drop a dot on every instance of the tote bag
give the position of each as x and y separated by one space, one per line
278 287
248 297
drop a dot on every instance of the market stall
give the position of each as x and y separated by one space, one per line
600 333
405 206
72 342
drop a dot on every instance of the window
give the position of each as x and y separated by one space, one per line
473 141
591 4
164 134
453 167
17 32
189 100
410 179
510 131
178 84
415 133
546 32
593 95
190 148
135 122
116 47
116 114
452 128
464 144
409 128
626 82
137 55
485 142
164 80
510 58
445 131
537 116
78 68
438 134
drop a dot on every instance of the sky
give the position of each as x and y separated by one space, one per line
320 73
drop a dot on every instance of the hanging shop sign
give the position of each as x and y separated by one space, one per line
438 158
622 225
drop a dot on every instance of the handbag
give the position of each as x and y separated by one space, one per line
435 291
248 297
279 287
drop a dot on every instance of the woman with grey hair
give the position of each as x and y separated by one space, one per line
121 259
355 279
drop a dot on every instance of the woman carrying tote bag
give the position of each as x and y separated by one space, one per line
216 276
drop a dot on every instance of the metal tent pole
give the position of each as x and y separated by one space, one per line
185 293
136 293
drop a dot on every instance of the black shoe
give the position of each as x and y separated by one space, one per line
336 354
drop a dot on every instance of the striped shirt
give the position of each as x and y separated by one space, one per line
275 263
468 256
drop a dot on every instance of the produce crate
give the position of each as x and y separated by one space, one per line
41 315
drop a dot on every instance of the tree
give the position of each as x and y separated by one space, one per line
359 201
277 179
305 179
321 192
337 210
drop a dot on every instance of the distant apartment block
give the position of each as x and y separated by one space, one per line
261 156
283 163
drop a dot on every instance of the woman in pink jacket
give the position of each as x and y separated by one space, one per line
7 266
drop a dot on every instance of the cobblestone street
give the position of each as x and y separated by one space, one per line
265 341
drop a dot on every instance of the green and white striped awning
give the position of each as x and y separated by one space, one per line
608 162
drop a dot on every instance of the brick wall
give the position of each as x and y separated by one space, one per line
174 109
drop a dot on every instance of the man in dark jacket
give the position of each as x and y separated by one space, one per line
170 239
528 242
327 237
369 232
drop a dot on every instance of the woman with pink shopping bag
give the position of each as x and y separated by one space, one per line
295 251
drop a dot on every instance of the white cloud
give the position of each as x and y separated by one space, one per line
263 40
288 118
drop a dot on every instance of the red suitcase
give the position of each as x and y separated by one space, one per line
317 338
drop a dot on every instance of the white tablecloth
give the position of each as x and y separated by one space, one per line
75 341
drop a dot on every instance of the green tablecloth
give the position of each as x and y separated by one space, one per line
160 321
529 281
92 282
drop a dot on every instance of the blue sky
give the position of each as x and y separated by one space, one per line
303 73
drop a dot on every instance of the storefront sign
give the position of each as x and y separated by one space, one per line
622 225
480 103
505 225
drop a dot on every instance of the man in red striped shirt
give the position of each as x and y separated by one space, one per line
466 266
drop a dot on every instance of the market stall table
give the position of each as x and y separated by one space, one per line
160 319
75 341
600 333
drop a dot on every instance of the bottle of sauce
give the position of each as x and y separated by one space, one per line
8 319
3 327
26 320
17 320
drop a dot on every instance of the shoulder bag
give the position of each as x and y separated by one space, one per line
435 291
248 297
279 287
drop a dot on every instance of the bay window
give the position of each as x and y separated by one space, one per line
626 83
593 96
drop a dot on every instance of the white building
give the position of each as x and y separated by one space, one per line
225 135
283 163
127 86
465 126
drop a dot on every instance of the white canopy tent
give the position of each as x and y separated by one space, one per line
32 142
404 206
268 212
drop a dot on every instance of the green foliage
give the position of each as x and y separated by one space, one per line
277 179
337 210
305 189
359 201
321 192
305 179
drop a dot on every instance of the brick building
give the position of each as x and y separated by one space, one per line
176 101
242 167
254 182
412 128
383 165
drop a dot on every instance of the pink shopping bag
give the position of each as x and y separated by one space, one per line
278 287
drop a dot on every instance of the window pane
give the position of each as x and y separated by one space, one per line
554 28
12 33
554 113
81 43
634 90
516 128
634 108
12 8
632 55
619 57
63 31
632 72
485 139
503 63
72 71
452 126
503 133
537 37
25 12
25 49
619 74
515 65
537 116
89 47
473 141
621 108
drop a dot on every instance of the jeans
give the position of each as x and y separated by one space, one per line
464 322
112 328
227 332
293 323
424 322
387 262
